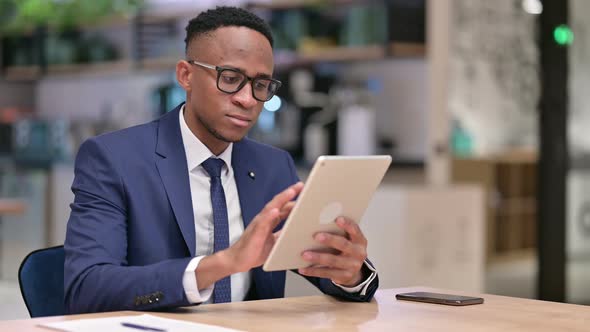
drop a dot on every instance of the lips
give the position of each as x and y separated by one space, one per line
239 120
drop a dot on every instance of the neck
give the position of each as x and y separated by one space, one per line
215 145
217 150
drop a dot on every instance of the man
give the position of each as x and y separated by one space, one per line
182 210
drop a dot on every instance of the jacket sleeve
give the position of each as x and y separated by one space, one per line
96 274
326 286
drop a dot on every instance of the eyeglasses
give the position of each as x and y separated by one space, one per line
230 80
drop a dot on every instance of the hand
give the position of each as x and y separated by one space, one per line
253 247
345 267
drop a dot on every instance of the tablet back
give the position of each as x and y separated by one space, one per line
337 186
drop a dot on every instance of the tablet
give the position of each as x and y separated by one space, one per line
337 186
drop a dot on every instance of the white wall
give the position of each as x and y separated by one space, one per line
126 95
402 104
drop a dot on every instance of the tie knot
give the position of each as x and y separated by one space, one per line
213 167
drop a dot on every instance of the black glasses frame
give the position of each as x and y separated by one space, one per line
247 79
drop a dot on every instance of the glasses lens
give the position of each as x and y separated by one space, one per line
230 81
264 88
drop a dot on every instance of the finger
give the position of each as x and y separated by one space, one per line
332 261
277 234
353 230
267 220
286 210
285 196
341 277
338 242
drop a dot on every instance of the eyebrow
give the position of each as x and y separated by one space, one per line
262 75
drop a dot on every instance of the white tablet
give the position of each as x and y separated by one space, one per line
337 186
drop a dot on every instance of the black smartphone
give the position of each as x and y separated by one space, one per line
437 298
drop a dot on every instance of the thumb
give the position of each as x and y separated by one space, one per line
277 234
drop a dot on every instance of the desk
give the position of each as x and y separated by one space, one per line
385 313
8 206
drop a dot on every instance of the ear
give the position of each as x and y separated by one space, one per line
183 75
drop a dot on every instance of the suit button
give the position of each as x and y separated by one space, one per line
144 300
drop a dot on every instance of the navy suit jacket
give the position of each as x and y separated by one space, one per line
131 231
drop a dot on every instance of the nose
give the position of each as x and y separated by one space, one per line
244 97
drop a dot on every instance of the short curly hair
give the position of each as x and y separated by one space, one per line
214 19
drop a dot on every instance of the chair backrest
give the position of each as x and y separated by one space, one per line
41 279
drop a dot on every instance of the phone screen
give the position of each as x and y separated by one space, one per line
437 298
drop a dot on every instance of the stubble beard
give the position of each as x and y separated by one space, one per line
214 132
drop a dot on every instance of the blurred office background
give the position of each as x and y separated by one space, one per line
482 105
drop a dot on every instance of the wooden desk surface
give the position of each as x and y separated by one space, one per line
11 206
385 313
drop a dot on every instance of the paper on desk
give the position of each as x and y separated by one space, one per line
114 324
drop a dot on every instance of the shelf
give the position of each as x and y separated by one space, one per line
31 73
286 59
513 255
114 21
407 50
155 18
98 68
349 54
339 54
516 206
283 60
516 156
22 73
165 63
295 4
509 180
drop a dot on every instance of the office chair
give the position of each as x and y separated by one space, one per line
41 280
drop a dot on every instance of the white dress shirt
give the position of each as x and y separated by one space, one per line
199 180
196 153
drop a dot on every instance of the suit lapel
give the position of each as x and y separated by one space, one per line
248 187
173 170
252 193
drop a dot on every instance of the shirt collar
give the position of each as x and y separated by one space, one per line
197 152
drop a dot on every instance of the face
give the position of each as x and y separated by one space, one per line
215 117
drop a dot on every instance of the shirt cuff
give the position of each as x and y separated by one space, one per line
189 283
362 287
